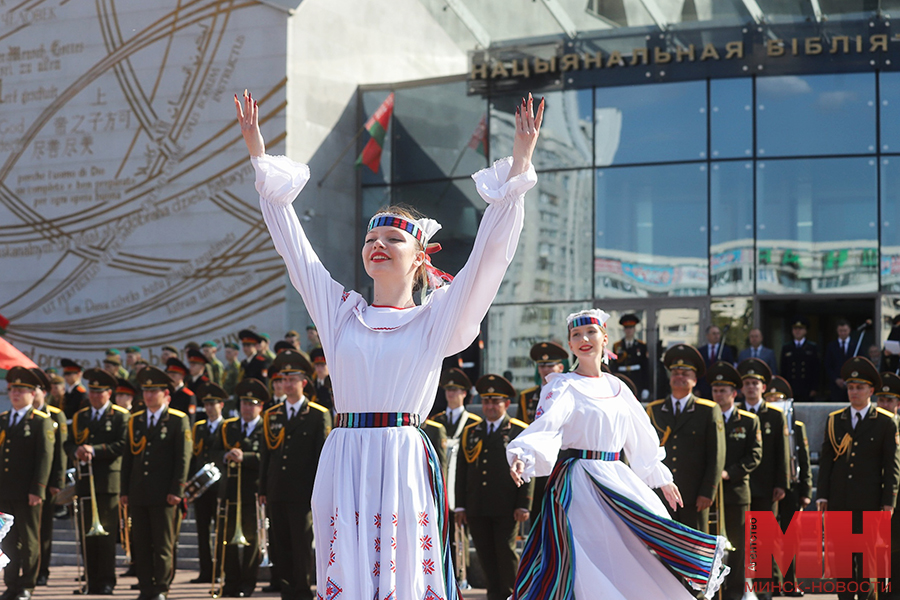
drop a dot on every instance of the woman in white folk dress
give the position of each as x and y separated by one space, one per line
380 518
600 518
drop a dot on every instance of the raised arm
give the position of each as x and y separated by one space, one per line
533 452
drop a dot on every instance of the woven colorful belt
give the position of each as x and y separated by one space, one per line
360 420
589 454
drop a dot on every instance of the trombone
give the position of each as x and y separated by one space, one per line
125 530
262 534
96 529
238 539
717 520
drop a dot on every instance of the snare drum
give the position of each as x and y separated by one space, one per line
201 481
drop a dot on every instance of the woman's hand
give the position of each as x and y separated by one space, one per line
516 470
528 127
248 118
673 495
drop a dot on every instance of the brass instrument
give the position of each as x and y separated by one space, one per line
96 529
80 548
125 530
218 558
238 539
262 534
717 518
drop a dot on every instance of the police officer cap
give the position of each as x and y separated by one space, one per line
860 369
723 373
291 361
252 390
800 322
627 381
99 380
548 352
45 381
456 378
70 366
495 385
779 388
684 356
210 392
282 345
195 356
629 320
22 377
890 385
123 386
753 368
154 378
317 355
249 337
173 365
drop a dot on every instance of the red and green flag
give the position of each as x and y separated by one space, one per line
479 141
377 127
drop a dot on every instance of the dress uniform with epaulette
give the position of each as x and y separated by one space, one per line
155 470
204 434
743 453
693 433
76 394
194 382
256 365
632 358
99 429
486 494
246 434
57 479
324 389
859 466
26 444
215 367
182 398
888 397
800 364
295 432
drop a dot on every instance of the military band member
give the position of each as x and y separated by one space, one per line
155 470
859 466
167 352
98 437
182 398
57 393
800 362
26 442
631 357
240 445
293 338
76 394
126 396
232 368
57 471
437 435
549 358
256 364
112 364
888 398
205 434
215 368
276 382
197 364
486 497
132 358
294 435
692 431
743 453
322 379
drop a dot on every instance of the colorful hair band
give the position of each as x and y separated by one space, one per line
594 316
388 220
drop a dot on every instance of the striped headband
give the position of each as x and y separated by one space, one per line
595 316
421 229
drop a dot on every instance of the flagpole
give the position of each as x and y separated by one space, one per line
341 155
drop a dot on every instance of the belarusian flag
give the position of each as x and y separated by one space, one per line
377 127
479 141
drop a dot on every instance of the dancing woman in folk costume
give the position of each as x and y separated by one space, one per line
600 518
380 518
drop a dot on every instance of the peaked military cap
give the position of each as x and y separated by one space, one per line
252 390
154 378
45 381
209 344
98 380
800 322
684 356
890 385
282 345
629 320
249 337
860 369
70 366
132 350
195 356
548 352
113 352
123 386
779 388
723 373
455 378
112 359
317 355
292 333
495 385
232 345
210 392
55 378
22 377
170 348
291 361
753 368
173 365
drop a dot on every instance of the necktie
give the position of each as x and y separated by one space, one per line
490 428
246 429
797 344
755 353
677 407
858 416
150 421
212 429
844 346
12 421
712 352
96 415
291 412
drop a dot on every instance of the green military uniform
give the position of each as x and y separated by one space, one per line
694 439
26 443
105 430
488 495
232 372
242 564
113 358
859 467
205 436
155 466
632 358
290 457
743 453
215 368
437 435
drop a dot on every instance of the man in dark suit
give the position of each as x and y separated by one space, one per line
295 432
693 433
96 445
800 362
757 350
155 470
715 349
27 451
859 466
486 497
743 453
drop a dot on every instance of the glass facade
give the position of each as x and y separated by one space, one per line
698 198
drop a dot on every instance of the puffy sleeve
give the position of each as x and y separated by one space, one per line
538 446
461 306
642 448
278 181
